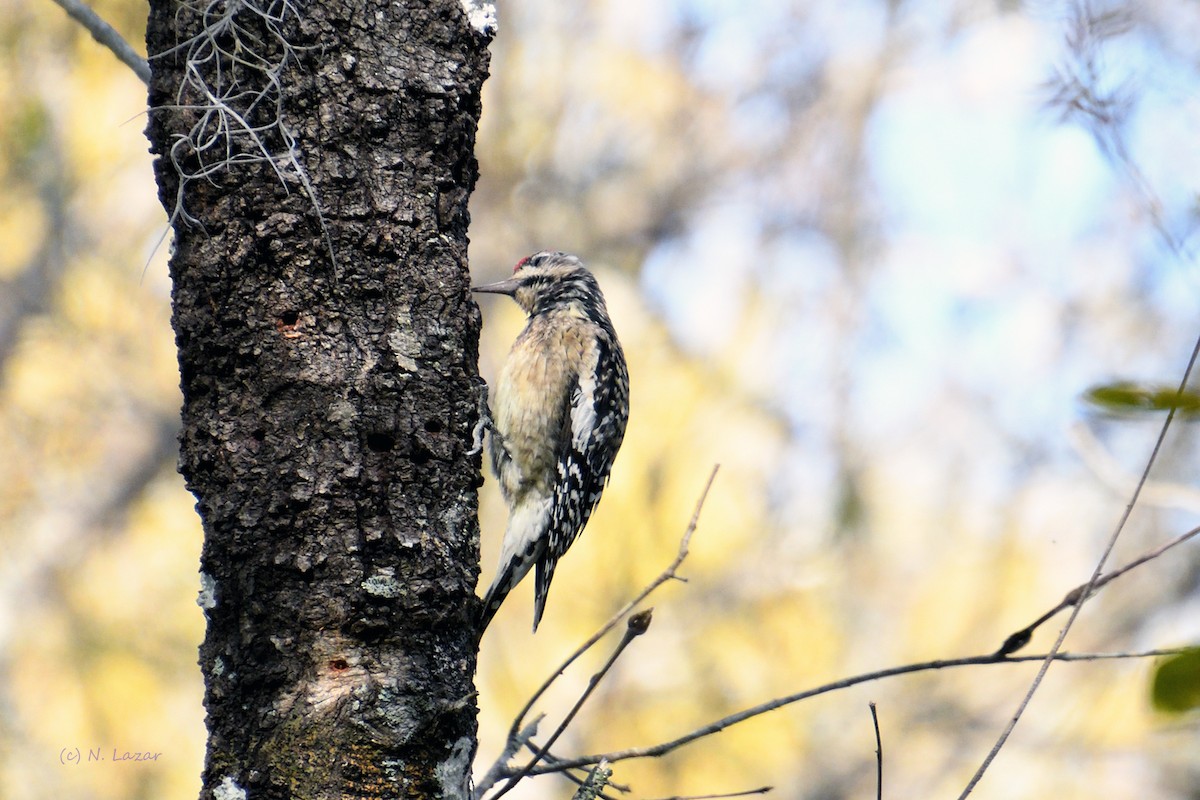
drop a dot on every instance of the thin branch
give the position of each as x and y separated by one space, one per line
638 624
662 749
745 793
1082 92
517 738
578 780
667 574
593 786
512 746
108 36
878 754
1089 587
500 769
1021 638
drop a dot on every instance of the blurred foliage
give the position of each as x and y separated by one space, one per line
1129 397
850 258
1176 686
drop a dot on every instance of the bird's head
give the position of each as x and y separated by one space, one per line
550 280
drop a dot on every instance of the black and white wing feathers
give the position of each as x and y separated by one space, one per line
593 429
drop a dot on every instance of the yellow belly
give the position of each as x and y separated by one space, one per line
531 407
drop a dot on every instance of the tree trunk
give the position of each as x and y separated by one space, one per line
317 163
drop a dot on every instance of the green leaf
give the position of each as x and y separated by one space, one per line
1176 684
1128 396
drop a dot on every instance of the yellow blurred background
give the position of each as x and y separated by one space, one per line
865 255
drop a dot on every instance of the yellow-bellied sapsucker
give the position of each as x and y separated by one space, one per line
558 417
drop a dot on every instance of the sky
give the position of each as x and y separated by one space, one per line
994 209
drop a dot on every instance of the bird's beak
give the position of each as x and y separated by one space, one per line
508 287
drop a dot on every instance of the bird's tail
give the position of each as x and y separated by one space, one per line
541 586
523 545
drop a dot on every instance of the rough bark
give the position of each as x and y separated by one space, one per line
329 409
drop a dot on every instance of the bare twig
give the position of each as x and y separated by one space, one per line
1088 587
638 624
516 732
878 754
106 35
721 796
667 574
578 780
663 748
1081 92
1021 638
512 745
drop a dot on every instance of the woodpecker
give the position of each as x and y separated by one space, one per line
558 418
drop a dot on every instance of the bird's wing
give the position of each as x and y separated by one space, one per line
593 430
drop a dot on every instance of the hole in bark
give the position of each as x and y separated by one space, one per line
420 454
433 425
339 664
288 323
380 442
258 434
